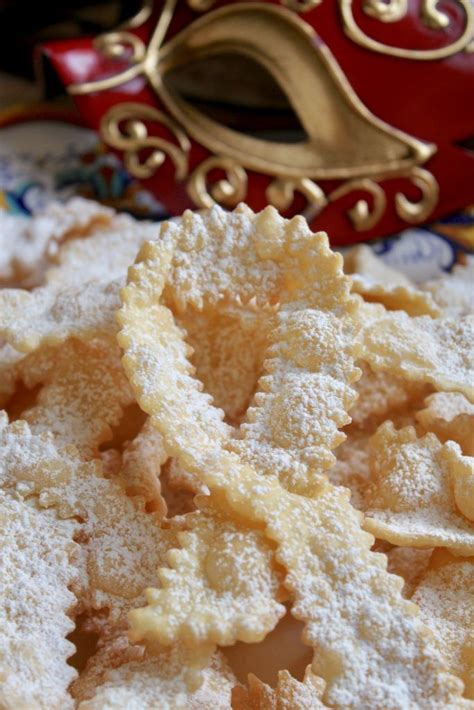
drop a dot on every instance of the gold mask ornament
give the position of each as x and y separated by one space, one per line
345 146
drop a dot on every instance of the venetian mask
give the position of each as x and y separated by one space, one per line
358 114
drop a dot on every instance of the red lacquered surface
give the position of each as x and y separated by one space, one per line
432 101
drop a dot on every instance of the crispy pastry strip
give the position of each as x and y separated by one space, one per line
450 416
83 392
27 246
37 567
445 595
80 293
289 693
422 491
342 592
379 283
438 351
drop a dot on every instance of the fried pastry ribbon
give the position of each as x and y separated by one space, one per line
377 282
438 351
79 295
454 292
370 646
445 595
83 392
118 679
58 499
37 565
422 492
28 245
122 544
289 693
450 416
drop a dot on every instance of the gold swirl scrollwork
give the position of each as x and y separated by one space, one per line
281 192
362 216
121 45
415 212
394 10
432 16
123 128
126 45
227 192
301 5
390 11
293 170
115 45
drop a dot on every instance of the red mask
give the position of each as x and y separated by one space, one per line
358 114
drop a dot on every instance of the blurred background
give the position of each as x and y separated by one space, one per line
24 23
45 152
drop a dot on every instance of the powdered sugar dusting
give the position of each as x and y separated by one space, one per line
412 500
382 393
216 257
81 293
121 545
36 569
369 645
26 245
454 292
439 351
44 316
229 343
140 685
410 563
143 458
445 595
221 587
451 417
84 392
